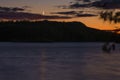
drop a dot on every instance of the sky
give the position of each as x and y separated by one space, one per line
86 11
36 6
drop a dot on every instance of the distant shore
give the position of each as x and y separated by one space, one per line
51 31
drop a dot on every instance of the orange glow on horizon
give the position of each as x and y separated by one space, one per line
94 22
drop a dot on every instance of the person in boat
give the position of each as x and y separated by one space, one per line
106 47
113 46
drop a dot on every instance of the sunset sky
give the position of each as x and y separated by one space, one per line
85 11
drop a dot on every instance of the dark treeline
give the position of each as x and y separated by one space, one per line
50 31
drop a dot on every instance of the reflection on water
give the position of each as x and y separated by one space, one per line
58 61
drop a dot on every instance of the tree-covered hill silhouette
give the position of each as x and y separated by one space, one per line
51 31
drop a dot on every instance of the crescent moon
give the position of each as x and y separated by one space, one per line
43 13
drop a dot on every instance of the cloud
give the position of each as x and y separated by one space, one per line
75 14
90 7
22 13
12 9
68 12
85 0
100 4
82 1
27 16
86 15
107 4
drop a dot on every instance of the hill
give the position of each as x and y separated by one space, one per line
51 31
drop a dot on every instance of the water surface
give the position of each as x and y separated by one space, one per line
58 61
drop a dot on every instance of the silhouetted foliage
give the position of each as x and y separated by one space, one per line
51 31
110 16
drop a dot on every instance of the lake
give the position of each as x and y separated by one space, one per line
58 61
